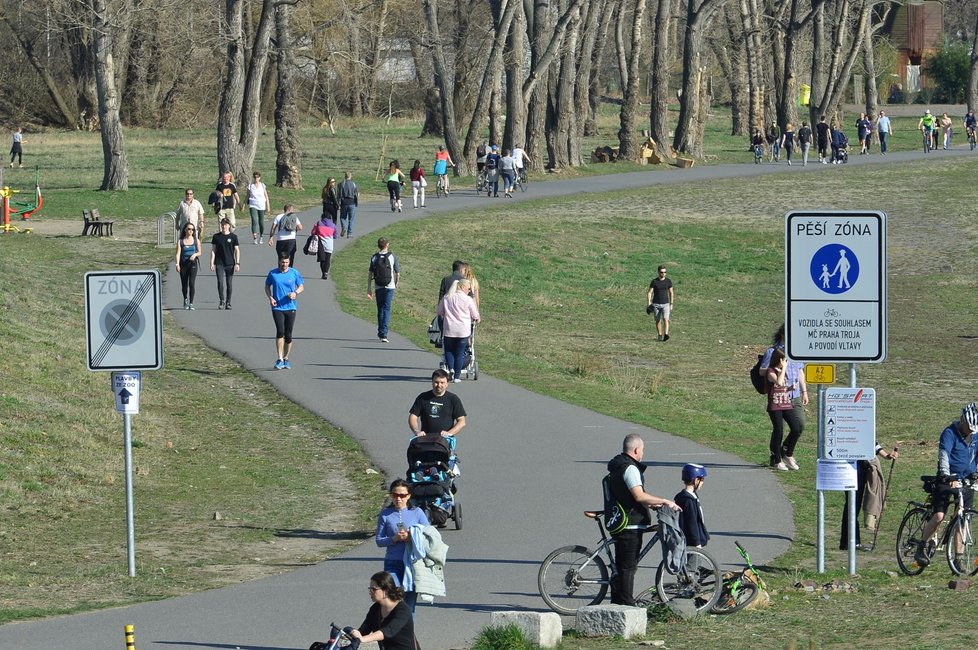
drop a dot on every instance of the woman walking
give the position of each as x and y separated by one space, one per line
257 206
395 180
331 202
458 312
418 183
788 141
187 254
325 229
394 532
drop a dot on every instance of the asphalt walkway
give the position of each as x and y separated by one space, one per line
531 464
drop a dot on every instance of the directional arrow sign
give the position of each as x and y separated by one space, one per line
126 385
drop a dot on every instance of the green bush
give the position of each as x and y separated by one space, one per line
948 70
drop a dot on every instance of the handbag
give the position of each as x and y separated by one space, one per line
312 245
424 183
434 333
779 399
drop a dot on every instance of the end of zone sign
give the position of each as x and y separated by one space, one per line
123 320
835 286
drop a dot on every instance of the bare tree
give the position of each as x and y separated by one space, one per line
115 162
734 68
445 86
753 57
832 71
627 142
973 72
288 160
699 13
662 60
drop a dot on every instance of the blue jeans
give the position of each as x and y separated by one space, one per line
347 213
455 353
384 297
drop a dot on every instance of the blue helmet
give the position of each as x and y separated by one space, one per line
693 471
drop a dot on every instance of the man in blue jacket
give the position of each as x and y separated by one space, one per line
957 458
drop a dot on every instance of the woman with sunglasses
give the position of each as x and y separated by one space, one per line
389 621
393 532
187 254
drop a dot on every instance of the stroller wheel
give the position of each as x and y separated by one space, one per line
457 515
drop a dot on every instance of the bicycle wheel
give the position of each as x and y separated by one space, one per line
440 188
570 578
964 527
735 599
700 584
521 181
909 535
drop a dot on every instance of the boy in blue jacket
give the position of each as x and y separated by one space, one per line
691 517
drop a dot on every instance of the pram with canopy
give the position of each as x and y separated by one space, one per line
433 470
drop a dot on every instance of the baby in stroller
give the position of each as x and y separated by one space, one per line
840 147
433 471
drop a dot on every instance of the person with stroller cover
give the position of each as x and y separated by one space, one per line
394 533
388 621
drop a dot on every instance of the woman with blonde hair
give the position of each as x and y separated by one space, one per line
473 283
458 312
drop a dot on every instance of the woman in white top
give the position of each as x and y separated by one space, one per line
257 205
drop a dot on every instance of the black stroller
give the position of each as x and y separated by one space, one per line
432 473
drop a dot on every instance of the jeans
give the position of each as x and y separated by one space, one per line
455 353
224 275
628 544
384 297
883 138
347 213
804 152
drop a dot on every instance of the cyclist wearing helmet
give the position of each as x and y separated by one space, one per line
691 518
956 455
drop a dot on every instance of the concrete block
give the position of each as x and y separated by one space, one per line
612 620
960 584
541 628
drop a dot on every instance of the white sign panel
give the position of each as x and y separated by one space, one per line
123 320
835 475
835 286
850 423
126 386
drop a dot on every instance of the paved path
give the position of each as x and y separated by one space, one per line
531 463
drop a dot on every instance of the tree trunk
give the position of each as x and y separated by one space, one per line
376 56
698 16
627 140
828 87
972 97
869 71
115 161
734 68
240 106
756 86
512 26
662 60
597 55
786 83
288 159
444 83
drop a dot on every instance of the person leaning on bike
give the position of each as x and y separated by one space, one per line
628 489
956 456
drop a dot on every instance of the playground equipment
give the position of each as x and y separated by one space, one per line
23 208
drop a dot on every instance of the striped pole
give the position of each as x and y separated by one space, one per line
130 637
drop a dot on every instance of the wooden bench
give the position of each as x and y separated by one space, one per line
91 227
104 227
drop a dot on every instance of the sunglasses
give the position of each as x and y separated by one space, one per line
399 495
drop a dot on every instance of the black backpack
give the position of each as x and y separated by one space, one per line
757 378
383 270
491 163
615 515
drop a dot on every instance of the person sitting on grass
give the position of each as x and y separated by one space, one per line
691 517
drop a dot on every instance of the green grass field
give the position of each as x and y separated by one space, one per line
579 267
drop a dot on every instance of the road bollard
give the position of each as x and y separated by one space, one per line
130 637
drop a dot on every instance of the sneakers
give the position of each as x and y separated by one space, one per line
220 305
781 467
280 365
384 339
456 381
254 241
286 365
186 304
665 337
343 233
790 462
261 240
191 307
227 306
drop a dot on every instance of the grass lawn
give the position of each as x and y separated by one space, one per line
577 267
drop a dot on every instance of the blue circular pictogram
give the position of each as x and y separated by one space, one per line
834 268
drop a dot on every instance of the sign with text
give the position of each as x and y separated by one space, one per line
125 386
850 423
123 320
835 286
819 373
835 475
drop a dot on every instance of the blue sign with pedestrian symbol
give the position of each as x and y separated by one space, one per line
835 268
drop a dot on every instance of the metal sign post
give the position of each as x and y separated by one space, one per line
836 311
123 332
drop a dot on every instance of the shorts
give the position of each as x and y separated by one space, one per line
944 495
661 311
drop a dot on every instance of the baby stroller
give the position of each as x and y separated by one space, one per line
432 471
840 149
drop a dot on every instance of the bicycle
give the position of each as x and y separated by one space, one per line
338 638
480 181
574 576
957 537
928 142
521 181
441 188
741 589
972 140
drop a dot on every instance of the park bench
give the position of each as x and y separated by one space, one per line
94 224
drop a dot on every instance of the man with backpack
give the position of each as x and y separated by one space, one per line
626 487
349 198
282 233
384 272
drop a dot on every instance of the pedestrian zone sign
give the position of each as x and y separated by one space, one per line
123 320
835 286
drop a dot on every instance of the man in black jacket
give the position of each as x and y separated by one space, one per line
628 489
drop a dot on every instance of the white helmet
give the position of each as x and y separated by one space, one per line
927 112
970 415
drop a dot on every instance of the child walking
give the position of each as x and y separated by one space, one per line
691 517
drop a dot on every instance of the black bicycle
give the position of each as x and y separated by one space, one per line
574 576
957 537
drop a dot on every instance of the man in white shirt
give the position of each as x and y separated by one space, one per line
190 211
282 233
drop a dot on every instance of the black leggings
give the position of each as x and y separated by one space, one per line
284 322
778 418
394 189
188 278
324 261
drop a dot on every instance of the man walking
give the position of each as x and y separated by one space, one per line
229 199
822 140
190 211
804 142
437 412
883 129
385 272
349 199
282 233
660 299
628 489
282 286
